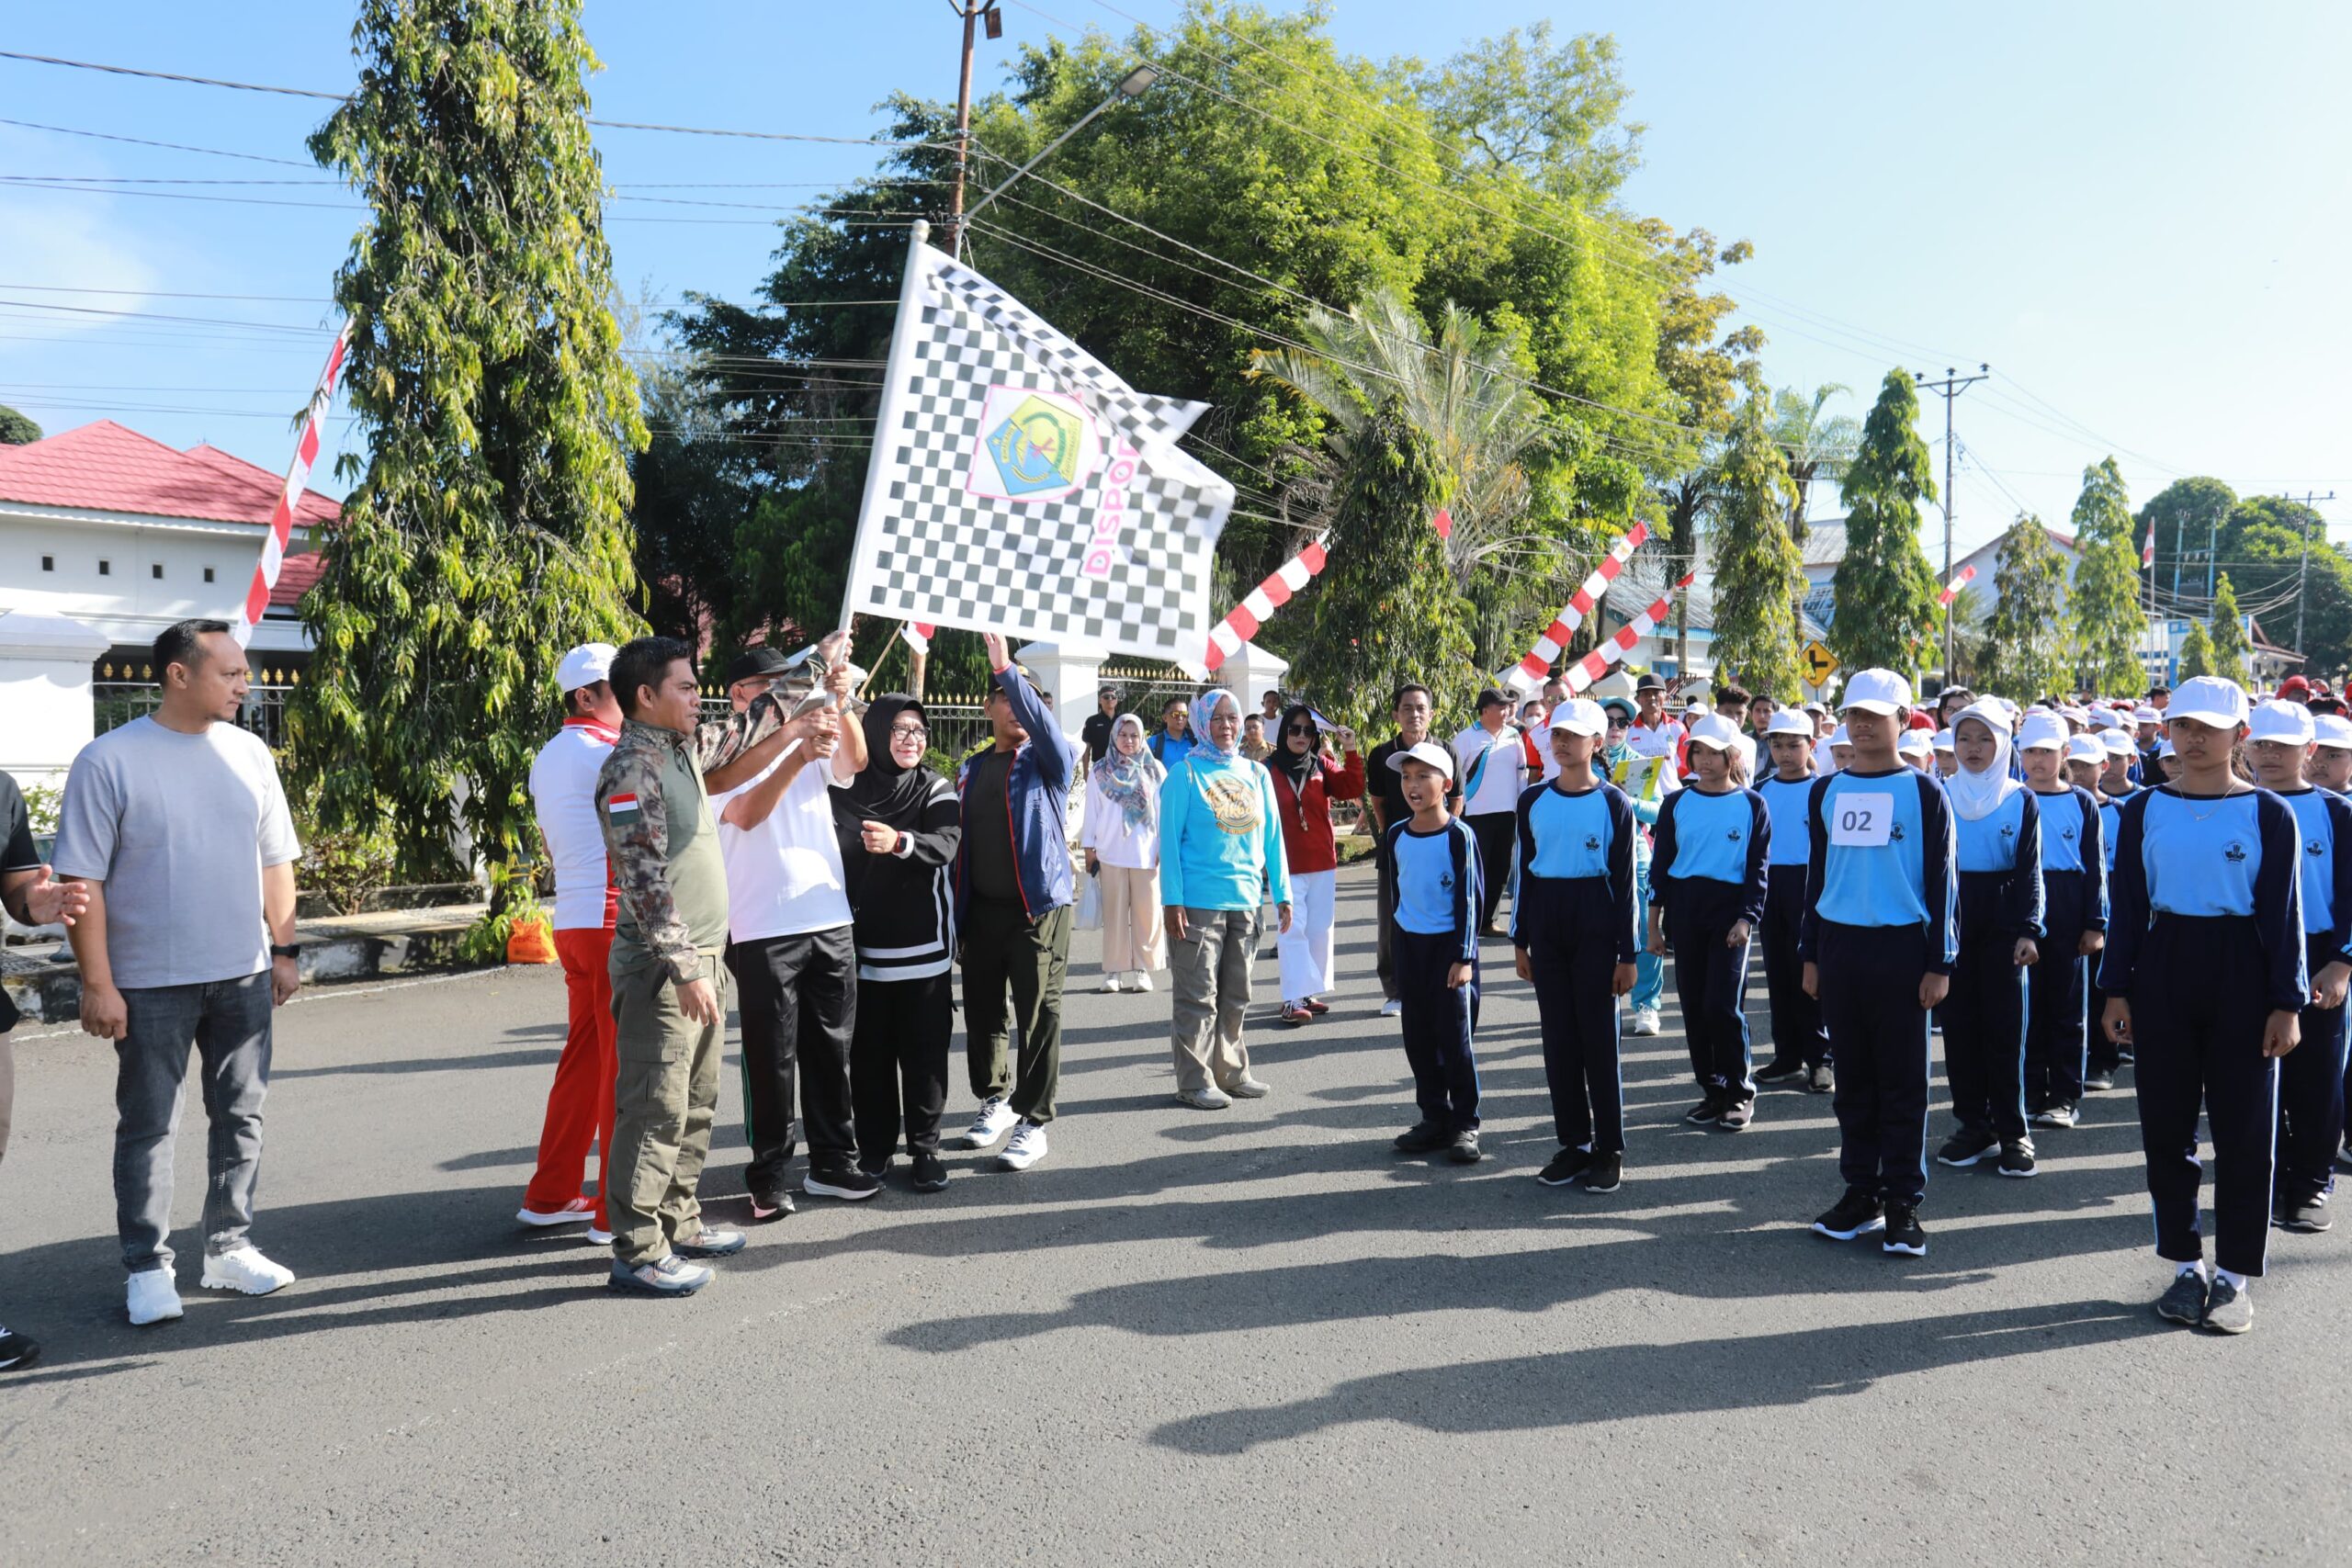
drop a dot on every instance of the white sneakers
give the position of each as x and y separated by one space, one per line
996 1116
1392 1008
1246 1088
245 1270
153 1298
1206 1097
1131 980
1140 980
1645 1022
577 1212
1027 1147
1110 982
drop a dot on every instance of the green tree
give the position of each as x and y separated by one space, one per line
2195 651
2231 644
2187 514
1384 610
1758 575
2104 619
1884 589
16 430
2024 651
486 534
1817 447
1550 113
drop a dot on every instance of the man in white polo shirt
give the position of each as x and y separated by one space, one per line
563 793
789 944
1490 760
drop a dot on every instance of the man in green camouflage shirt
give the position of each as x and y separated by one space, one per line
669 987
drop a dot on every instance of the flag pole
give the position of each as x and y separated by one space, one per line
289 495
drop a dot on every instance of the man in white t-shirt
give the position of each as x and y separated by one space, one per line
1491 762
1653 734
791 951
563 793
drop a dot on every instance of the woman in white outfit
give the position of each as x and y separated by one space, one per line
1121 837
1307 779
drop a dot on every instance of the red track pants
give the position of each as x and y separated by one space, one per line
580 1101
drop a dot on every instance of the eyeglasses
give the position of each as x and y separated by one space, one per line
908 732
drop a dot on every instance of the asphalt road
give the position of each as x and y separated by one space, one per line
1240 1337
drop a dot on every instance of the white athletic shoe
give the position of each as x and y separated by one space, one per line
1027 1147
595 1237
1110 982
1140 981
1207 1097
996 1116
1392 1008
1246 1088
246 1272
1645 1022
154 1297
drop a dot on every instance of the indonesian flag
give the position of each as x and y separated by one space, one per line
1242 622
1593 665
1530 673
1952 589
917 634
2148 549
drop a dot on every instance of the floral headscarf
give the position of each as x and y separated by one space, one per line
1204 708
1132 783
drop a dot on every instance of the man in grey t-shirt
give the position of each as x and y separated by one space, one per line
178 826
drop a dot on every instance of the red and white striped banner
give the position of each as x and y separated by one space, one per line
298 475
1952 589
917 635
1591 667
2148 550
1226 637
1533 670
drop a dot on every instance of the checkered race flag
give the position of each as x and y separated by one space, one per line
1018 486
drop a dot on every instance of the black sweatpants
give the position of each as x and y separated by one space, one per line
2197 1019
1571 954
1003 945
1983 1020
1878 1032
1383 910
2311 1094
1711 979
797 998
1797 1034
2057 993
1438 1024
1495 832
903 1027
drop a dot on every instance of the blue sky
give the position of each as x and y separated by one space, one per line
2133 211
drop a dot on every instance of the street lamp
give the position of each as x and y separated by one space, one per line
1133 85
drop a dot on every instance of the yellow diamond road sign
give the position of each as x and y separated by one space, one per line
1818 663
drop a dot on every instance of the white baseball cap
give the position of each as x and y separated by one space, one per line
2208 699
1714 731
2328 729
1875 691
1580 716
1838 737
2042 732
2143 714
585 665
1428 751
1789 721
2085 748
2103 718
1916 743
2115 744
2291 722
1941 740
2163 750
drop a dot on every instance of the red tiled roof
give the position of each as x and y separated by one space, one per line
107 468
295 575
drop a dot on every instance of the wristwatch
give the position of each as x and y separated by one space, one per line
286 950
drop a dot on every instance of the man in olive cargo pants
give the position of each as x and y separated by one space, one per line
670 990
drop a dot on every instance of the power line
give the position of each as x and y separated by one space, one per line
172 146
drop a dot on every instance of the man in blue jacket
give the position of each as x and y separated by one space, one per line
1012 910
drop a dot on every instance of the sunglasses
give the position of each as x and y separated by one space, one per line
1300 729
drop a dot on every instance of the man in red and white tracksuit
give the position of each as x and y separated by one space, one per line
563 790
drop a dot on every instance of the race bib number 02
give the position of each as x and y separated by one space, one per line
1861 821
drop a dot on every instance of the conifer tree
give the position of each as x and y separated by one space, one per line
1885 592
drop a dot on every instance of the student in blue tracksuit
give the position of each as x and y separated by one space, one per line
1998 829
2105 1054
2074 895
1572 929
1708 874
1434 949
1800 1045
2204 973
2280 744
1880 938
2330 769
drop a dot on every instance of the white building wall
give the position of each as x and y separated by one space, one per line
130 578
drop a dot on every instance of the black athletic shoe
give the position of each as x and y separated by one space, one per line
2226 1309
2185 1302
1782 1069
2057 1113
1857 1214
2308 1215
1462 1147
2098 1079
849 1183
16 1350
1565 1167
1605 1174
2125 1056
1965 1148
771 1203
930 1172
1823 1079
1422 1138
1903 1232
1737 1115
2017 1159
1707 1112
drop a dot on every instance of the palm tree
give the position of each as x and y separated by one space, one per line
1462 394
1816 448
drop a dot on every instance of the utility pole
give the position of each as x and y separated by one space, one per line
2303 561
1951 385
972 12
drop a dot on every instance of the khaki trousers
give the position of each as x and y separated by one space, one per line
1132 930
664 1100
1212 983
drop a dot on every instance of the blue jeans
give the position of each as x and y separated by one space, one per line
228 1022
1649 969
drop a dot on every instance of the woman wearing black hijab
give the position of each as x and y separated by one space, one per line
899 825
